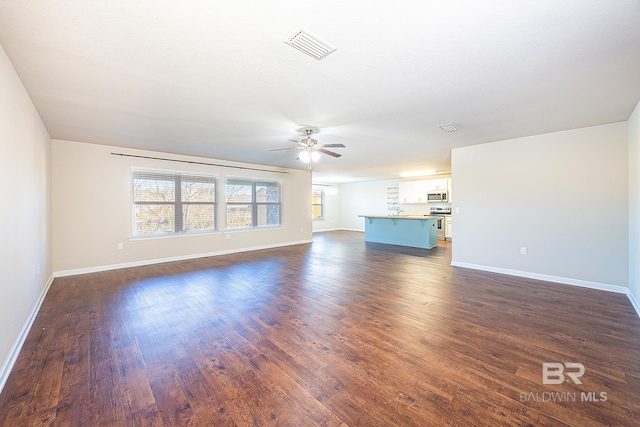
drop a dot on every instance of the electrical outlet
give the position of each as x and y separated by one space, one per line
523 250
120 246
457 210
228 236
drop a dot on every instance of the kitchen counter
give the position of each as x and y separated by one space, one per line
418 231
398 216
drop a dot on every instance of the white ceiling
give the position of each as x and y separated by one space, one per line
215 78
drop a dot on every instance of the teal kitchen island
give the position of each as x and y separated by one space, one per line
404 230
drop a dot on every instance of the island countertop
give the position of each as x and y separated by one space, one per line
400 216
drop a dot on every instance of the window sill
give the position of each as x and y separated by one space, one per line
174 235
239 230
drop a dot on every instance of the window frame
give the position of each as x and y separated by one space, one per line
254 204
178 177
321 204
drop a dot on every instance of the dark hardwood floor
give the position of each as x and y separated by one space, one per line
338 332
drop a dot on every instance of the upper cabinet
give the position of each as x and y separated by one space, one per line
413 191
436 184
416 191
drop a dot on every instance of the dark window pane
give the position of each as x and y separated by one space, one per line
239 191
154 219
267 192
198 190
268 215
198 217
239 216
153 189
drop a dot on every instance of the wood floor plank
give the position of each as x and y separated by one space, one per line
339 332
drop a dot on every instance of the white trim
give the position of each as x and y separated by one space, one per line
545 277
352 229
7 366
73 272
327 229
633 301
172 235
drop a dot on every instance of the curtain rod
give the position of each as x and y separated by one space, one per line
197 163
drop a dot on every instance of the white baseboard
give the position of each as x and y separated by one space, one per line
7 366
633 301
76 271
352 229
327 229
545 277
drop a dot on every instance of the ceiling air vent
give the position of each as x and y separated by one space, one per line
313 46
449 127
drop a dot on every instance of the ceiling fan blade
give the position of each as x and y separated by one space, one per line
331 153
298 143
333 145
280 149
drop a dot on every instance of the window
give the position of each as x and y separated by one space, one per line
317 203
253 204
165 203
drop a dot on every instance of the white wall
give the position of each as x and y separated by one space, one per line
25 241
332 208
92 210
634 204
364 198
562 195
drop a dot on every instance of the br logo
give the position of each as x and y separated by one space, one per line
554 372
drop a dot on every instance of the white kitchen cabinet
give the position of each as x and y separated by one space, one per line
416 191
449 190
413 191
448 228
420 191
405 191
436 184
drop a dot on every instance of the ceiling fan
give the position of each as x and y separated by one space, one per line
309 150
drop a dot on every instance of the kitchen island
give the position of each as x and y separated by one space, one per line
404 230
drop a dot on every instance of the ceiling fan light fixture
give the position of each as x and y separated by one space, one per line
305 156
309 151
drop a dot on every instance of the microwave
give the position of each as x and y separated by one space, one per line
437 196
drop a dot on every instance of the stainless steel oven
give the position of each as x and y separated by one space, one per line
440 212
